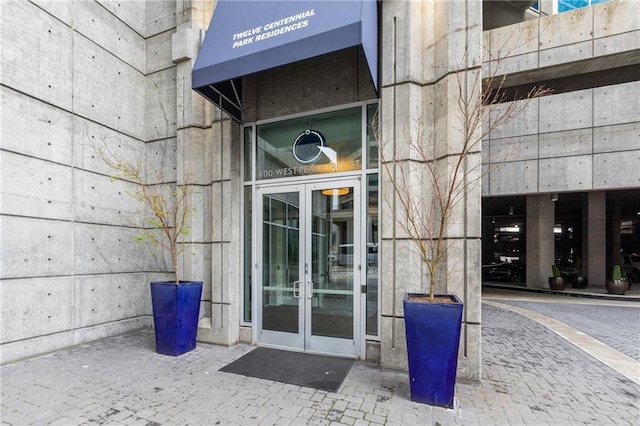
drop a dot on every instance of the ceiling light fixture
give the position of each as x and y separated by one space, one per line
335 191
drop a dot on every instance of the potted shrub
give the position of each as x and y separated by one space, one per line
427 194
618 284
176 303
556 282
579 280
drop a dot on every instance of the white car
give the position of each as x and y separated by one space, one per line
631 265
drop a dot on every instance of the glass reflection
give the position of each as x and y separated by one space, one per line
280 259
332 263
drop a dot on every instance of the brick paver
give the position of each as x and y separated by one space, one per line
530 376
596 320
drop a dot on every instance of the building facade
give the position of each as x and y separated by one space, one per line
296 234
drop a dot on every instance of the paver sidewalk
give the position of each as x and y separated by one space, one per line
530 376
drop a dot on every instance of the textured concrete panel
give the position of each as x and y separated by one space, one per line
568 28
566 174
130 12
616 104
224 327
35 128
615 17
101 199
185 43
566 111
159 262
411 274
160 100
62 10
36 53
221 200
201 223
196 156
219 282
412 103
511 149
472 297
321 82
618 43
223 134
107 90
161 158
414 202
520 121
512 47
160 16
158 53
405 23
89 137
616 170
514 178
35 247
566 53
469 354
616 138
33 187
109 32
43 309
569 143
458 22
463 279
393 344
110 298
195 264
514 64
103 249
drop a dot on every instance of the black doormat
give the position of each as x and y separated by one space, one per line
296 368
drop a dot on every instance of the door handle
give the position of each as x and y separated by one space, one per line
296 289
309 289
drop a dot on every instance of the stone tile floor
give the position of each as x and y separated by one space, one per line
530 376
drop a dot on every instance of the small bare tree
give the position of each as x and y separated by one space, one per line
426 212
167 205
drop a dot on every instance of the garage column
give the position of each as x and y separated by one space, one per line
594 238
540 240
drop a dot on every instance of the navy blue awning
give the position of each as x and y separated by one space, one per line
245 37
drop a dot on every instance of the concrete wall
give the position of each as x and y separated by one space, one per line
565 43
575 141
74 75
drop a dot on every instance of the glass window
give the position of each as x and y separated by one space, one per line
246 315
372 139
322 143
566 5
372 255
248 153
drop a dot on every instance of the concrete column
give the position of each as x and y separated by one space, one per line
594 241
430 52
208 151
540 240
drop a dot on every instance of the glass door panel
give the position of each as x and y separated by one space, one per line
331 274
311 262
280 310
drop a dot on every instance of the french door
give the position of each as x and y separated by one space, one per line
308 268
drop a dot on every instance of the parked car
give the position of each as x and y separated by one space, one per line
631 265
504 271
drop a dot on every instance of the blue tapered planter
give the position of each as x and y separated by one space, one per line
175 315
433 338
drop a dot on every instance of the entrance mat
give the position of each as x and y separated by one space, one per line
296 368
